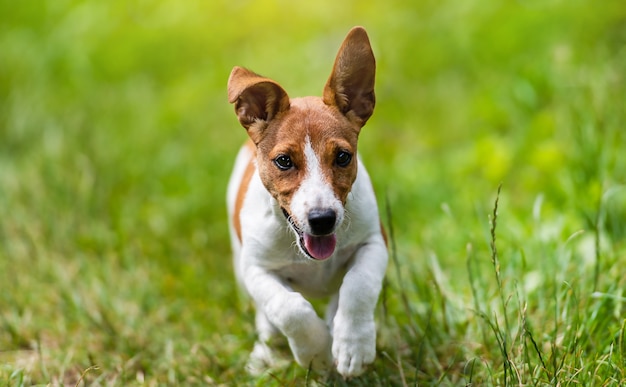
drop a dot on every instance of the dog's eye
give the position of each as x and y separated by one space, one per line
283 162
343 158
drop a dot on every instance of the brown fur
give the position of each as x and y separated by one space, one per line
328 134
243 188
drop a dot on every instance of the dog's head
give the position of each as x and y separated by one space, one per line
306 147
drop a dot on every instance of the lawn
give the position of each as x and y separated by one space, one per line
497 148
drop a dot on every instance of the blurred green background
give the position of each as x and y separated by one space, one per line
116 143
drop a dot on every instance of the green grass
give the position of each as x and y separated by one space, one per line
116 142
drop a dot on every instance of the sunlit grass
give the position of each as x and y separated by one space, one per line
116 142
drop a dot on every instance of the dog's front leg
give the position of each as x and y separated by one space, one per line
354 331
290 313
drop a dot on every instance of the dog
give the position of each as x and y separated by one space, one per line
303 215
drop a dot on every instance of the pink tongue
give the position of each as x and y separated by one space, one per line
320 247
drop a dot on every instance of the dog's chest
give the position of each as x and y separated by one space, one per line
314 279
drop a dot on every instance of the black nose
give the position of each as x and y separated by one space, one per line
322 221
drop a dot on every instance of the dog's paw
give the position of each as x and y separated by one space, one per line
322 361
354 346
312 347
262 358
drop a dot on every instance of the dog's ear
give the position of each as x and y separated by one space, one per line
351 83
257 100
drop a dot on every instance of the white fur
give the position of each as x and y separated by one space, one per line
314 192
278 276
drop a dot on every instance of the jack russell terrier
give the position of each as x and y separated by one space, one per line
303 215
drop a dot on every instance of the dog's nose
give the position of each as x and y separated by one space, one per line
322 221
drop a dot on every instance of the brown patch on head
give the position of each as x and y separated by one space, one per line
281 183
329 133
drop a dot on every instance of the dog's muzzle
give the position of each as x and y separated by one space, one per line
321 242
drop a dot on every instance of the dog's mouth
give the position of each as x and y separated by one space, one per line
317 247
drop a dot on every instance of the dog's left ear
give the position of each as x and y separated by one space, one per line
351 83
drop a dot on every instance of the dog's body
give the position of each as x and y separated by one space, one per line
304 219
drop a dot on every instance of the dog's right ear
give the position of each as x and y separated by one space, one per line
257 100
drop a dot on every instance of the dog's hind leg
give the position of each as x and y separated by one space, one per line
265 355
